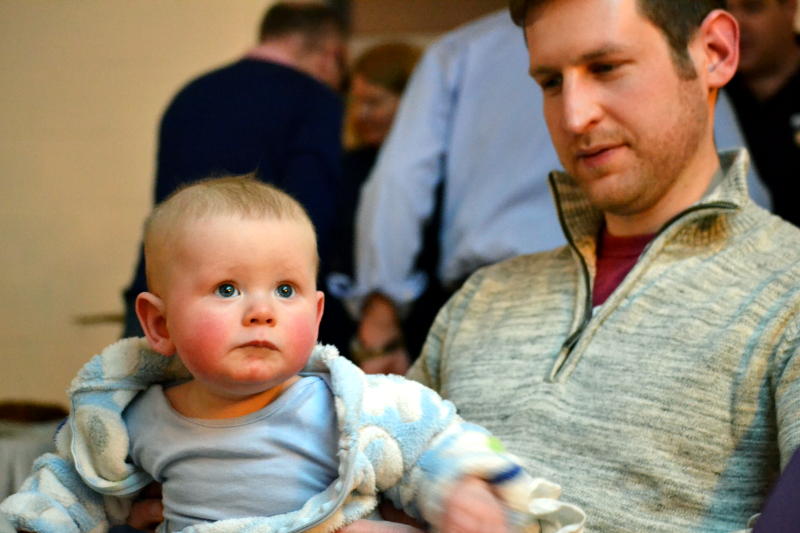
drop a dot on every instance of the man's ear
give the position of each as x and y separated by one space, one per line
717 48
151 312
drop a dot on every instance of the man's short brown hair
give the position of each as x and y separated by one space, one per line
311 20
678 20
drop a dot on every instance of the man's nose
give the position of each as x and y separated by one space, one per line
580 106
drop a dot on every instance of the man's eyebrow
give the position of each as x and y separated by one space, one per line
599 53
603 51
541 71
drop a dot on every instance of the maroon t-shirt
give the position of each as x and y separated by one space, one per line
615 258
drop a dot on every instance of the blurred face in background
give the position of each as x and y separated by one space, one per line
767 32
373 109
325 59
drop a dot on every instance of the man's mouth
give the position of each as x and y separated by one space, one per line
597 154
595 150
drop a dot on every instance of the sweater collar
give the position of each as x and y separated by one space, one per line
581 222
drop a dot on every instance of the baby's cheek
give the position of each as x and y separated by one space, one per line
203 340
303 332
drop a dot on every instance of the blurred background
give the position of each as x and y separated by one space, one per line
83 85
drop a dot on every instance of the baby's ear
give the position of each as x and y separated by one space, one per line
151 312
320 305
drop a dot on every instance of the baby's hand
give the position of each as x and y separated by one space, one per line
472 507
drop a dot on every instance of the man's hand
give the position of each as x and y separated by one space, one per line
147 511
380 337
472 507
380 325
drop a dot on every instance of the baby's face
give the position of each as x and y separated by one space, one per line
241 302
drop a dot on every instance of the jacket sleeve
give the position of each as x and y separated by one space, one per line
88 483
54 499
429 448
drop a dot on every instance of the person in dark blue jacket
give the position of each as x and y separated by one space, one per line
275 111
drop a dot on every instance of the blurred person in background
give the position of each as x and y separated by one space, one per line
377 80
275 111
766 95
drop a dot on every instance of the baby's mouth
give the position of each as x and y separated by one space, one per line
260 344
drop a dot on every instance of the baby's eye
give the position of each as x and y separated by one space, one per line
227 290
285 290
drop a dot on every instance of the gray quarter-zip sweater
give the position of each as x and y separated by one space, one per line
671 407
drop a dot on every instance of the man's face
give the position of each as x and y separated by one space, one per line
766 27
625 124
325 61
373 108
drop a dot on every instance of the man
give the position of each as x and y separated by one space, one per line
462 126
652 367
273 111
765 94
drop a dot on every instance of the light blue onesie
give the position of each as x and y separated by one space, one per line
266 463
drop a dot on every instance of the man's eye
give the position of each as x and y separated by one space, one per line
285 290
227 290
602 68
551 82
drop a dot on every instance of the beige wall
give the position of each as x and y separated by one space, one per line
426 16
83 83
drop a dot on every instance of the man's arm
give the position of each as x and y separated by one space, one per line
786 383
426 368
785 380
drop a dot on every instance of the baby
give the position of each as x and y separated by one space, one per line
246 422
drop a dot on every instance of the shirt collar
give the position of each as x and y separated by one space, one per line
581 221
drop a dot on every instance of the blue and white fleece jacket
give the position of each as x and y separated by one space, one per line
397 438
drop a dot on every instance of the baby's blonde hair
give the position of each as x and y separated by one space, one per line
243 196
